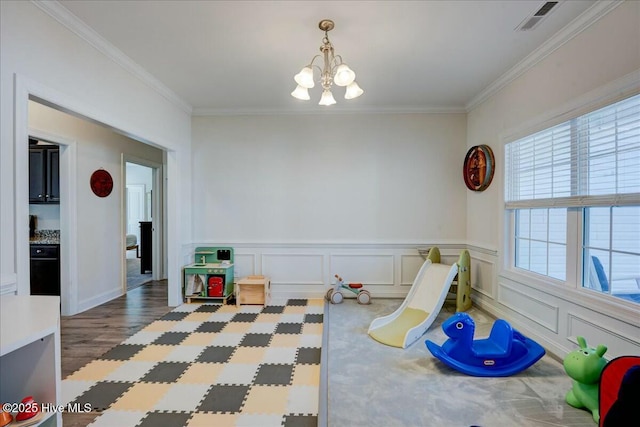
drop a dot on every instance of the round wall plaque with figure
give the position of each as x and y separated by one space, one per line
101 183
478 167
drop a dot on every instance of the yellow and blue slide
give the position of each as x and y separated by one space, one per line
419 309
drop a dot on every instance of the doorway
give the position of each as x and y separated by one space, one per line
139 213
89 223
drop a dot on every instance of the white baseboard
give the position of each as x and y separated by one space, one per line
98 300
8 284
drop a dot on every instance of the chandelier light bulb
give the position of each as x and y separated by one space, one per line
353 91
344 75
305 78
301 93
327 98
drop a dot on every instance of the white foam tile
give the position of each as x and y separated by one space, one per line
311 340
262 328
185 353
314 309
303 400
250 309
187 308
227 339
186 326
143 337
220 317
71 389
251 420
131 370
182 397
278 301
292 318
111 418
280 355
236 373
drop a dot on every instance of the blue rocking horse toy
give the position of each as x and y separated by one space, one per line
505 352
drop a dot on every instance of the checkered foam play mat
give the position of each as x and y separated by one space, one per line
210 365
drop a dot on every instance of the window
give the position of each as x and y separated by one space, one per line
540 241
589 165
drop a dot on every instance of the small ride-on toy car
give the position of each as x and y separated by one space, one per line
335 296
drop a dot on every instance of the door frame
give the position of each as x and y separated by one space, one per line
157 236
26 89
68 216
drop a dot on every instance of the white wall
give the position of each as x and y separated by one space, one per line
137 174
42 57
385 178
304 197
48 216
605 52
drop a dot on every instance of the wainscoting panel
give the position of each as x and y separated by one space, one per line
371 269
306 270
617 342
534 309
293 268
409 267
483 276
244 264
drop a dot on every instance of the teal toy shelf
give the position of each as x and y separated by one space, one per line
210 276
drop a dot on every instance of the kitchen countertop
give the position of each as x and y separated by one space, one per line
45 237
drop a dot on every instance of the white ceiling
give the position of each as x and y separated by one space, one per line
240 56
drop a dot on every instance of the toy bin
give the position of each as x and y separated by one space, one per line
253 290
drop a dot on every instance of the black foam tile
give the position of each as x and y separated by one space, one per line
244 317
256 340
216 354
297 302
165 372
308 355
224 398
289 328
208 308
171 338
103 394
273 309
313 318
272 374
175 315
211 327
122 352
165 419
294 420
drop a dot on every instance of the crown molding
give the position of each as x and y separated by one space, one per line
89 35
213 112
582 22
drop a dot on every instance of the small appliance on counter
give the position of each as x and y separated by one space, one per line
33 223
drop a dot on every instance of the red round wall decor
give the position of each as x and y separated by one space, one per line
101 183
478 167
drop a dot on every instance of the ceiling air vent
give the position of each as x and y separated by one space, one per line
536 17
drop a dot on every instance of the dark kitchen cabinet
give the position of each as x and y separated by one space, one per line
45 269
146 231
44 174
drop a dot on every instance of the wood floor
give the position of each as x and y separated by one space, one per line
88 335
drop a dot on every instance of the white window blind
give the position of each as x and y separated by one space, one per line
592 160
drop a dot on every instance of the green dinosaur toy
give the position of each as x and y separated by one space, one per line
584 365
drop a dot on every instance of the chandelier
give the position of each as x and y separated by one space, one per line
333 71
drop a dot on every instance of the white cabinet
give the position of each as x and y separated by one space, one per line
30 351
